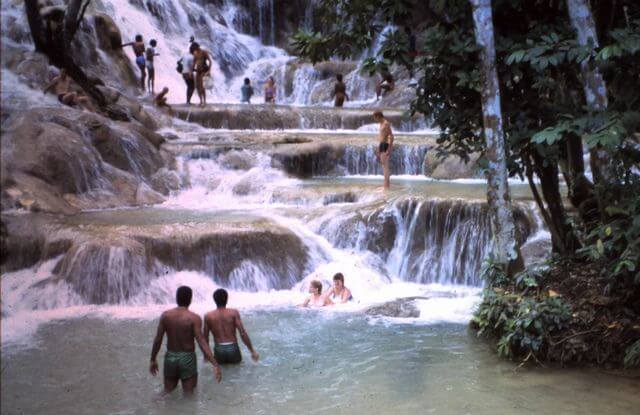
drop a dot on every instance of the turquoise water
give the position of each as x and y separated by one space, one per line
312 362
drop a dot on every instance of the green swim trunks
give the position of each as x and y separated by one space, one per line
180 365
227 353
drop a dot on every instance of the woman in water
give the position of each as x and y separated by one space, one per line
316 299
385 147
339 294
270 91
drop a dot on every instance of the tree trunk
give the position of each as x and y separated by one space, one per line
57 48
506 248
548 174
595 90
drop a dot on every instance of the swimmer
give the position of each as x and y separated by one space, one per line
316 299
339 294
340 92
385 147
223 323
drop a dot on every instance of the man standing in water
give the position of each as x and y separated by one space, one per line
385 147
223 323
182 327
138 50
340 91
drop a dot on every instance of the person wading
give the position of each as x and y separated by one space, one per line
182 328
223 323
385 146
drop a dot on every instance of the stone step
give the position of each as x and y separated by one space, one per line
273 117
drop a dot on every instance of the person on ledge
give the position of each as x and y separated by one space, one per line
247 91
61 84
316 299
138 50
339 294
223 323
385 146
340 91
270 91
182 328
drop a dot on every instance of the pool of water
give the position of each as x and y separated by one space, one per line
314 362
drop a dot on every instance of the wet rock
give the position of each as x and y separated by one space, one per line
272 117
147 196
400 308
347 197
165 181
62 160
450 167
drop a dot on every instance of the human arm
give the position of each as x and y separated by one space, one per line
327 301
126 44
306 302
346 294
157 343
51 85
204 346
245 337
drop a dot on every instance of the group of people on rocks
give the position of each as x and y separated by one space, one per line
184 328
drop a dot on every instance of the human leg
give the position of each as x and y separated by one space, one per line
189 385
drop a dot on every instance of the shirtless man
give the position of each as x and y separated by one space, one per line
340 91
138 50
223 323
202 67
62 86
385 147
182 327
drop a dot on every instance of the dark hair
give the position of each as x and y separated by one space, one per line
183 296
138 38
247 81
192 39
339 276
378 114
339 77
194 46
220 296
318 285
153 42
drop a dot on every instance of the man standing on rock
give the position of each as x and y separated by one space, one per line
138 49
340 91
385 146
182 327
223 323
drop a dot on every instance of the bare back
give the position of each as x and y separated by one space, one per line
180 325
385 132
62 85
223 323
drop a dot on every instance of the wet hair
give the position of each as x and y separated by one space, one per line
220 296
317 284
194 46
183 296
192 39
153 42
407 30
247 81
339 276
339 77
138 38
378 114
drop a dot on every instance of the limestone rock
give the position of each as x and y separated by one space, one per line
165 181
400 308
